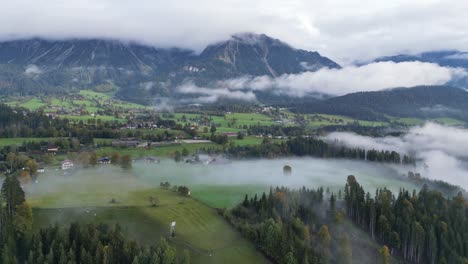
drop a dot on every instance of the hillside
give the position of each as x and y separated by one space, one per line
420 101
137 72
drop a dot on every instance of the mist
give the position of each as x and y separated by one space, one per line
439 148
97 186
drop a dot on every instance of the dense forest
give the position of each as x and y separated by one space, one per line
19 122
314 147
86 244
279 225
292 226
422 227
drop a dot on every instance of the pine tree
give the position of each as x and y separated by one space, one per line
13 194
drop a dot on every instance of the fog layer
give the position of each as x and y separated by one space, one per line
96 187
441 149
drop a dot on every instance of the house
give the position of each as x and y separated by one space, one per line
52 115
150 160
229 134
67 164
142 145
104 160
52 148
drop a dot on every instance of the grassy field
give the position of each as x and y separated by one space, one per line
85 118
19 141
228 122
200 229
319 120
165 151
449 121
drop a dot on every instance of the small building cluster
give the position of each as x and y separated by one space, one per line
67 164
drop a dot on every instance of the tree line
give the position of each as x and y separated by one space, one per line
77 243
314 147
20 122
422 227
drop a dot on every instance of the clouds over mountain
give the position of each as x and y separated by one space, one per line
370 77
344 30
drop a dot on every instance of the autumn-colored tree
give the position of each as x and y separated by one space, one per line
115 158
25 177
32 166
93 159
324 236
384 255
126 162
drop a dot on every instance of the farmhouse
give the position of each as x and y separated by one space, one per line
52 148
150 160
104 160
67 164
229 134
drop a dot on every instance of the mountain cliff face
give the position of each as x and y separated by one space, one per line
38 66
250 54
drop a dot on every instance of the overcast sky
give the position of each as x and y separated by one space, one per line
344 30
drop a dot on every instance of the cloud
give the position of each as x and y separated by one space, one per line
439 109
210 95
345 30
32 70
458 56
439 147
371 77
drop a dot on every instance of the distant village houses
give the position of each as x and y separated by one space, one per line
104 160
67 164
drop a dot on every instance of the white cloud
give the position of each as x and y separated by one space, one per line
458 56
32 70
210 95
344 30
371 77
439 147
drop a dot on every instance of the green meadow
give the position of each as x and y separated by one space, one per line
86 197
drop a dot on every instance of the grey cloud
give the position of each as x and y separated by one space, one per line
345 30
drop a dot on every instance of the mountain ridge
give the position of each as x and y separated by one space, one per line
136 71
418 101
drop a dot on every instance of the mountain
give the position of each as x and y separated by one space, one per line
252 54
138 72
450 58
420 101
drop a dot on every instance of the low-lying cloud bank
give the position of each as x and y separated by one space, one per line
371 77
211 95
441 149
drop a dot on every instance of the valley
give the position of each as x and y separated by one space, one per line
243 150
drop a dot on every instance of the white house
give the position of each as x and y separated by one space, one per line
67 164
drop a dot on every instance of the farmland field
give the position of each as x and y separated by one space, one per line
86 198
